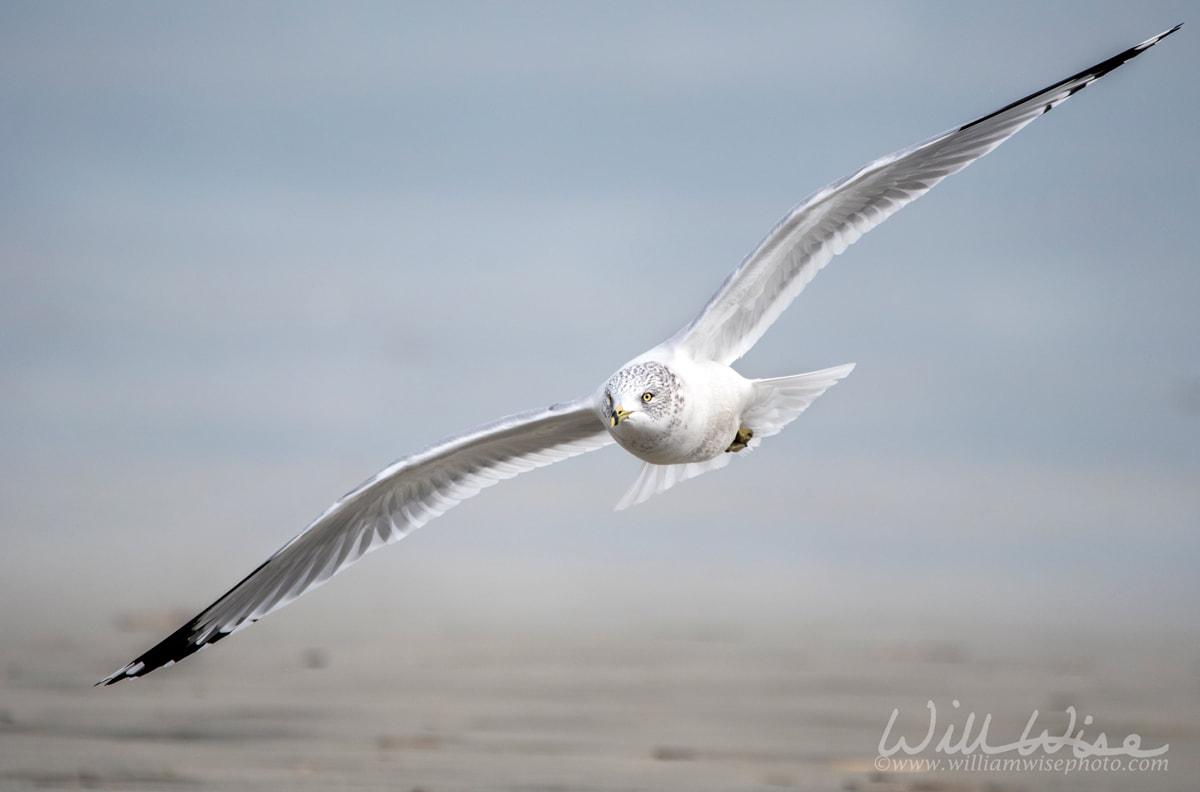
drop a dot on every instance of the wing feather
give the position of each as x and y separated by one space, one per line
407 494
833 218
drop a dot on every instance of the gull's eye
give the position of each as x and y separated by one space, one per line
647 396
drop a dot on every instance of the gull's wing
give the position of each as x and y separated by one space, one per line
833 218
406 495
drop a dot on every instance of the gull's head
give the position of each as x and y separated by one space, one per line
640 404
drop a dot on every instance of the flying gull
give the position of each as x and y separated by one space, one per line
679 407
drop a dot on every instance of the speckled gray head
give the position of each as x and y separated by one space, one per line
649 393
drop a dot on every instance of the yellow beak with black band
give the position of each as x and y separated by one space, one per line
618 415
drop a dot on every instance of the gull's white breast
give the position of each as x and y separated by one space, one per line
708 401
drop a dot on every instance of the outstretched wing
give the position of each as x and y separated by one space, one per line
405 495
833 218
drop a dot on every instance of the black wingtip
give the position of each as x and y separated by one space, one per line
167 652
185 641
1082 79
1166 33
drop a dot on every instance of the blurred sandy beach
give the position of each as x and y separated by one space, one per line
595 695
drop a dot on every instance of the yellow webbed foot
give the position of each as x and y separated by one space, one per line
741 440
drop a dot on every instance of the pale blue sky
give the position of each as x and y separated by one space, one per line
251 253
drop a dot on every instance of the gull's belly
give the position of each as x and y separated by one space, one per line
690 439
707 431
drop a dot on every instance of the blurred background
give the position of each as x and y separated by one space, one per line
250 253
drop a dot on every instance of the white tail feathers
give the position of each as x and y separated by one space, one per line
777 402
780 400
654 479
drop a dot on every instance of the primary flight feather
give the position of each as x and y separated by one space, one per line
679 407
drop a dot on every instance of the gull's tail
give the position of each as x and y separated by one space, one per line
780 400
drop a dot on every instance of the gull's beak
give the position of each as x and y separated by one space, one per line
618 415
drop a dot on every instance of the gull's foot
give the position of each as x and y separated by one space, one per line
741 440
